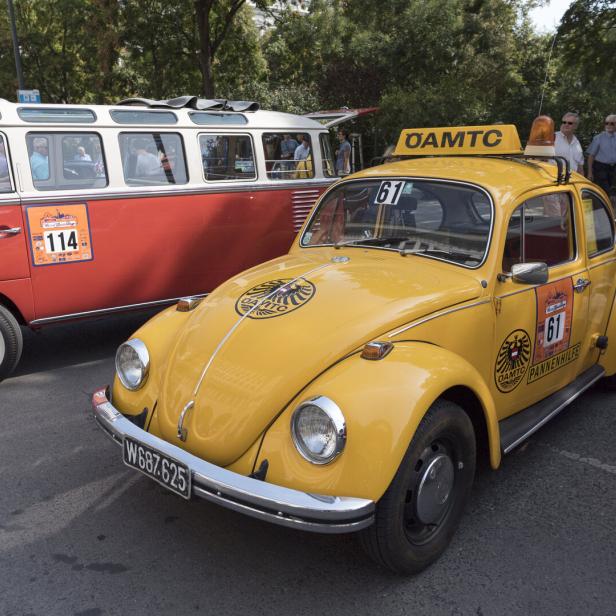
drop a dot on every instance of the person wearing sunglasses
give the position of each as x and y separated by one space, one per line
602 156
567 144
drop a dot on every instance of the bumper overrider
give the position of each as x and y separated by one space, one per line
253 497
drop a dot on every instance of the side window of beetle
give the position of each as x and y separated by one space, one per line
598 224
541 229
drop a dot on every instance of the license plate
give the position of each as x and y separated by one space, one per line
168 472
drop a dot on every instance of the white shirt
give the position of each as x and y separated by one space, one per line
571 151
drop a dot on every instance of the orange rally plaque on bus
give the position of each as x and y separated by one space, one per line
59 234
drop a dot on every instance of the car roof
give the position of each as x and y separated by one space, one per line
503 177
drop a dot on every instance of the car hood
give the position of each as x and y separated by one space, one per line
255 342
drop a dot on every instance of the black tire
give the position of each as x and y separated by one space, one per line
399 539
11 343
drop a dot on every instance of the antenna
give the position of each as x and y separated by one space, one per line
547 68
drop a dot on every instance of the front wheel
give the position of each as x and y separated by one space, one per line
420 511
11 342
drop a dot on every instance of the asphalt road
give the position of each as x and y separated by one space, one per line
80 534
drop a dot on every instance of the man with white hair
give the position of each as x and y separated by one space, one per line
567 144
602 155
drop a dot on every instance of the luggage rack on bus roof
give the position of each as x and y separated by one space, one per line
193 102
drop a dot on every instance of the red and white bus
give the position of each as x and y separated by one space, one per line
109 208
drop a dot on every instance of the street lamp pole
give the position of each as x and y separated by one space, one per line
20 76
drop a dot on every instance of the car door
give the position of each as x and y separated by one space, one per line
13 253
540 329
601 256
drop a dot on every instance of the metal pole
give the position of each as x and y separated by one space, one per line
20 76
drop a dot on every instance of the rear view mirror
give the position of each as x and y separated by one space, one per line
529 273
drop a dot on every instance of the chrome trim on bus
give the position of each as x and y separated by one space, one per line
100 311
163 191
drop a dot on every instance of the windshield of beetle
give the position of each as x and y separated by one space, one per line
442 220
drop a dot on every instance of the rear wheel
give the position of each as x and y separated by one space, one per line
11 342
420 511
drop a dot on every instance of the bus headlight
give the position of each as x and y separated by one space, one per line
132 363
318 429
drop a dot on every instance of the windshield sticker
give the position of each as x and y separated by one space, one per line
60 234
554 316
275 298
512 361
389 192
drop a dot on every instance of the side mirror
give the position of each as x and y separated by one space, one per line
529 273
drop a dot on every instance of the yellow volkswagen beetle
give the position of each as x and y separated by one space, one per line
432 310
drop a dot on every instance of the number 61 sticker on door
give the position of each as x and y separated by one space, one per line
59 234
554 313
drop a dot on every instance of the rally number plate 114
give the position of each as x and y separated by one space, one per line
168 472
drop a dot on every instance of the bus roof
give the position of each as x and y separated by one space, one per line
38 115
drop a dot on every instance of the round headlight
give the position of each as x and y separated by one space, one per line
132 363
318 429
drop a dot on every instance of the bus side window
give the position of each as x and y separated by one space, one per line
152 159
227 157
5 180
66 161
288 156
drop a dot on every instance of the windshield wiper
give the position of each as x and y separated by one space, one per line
377 241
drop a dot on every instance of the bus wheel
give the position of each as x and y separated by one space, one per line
11 342
420 511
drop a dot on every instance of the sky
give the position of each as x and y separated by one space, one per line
547 18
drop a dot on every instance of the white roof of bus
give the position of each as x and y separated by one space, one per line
267 120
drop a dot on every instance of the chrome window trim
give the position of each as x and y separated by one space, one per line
408 178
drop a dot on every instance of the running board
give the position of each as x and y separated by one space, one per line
517 428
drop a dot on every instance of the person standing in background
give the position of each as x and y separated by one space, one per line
602 156
567 144
343 153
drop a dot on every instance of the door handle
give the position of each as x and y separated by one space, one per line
6 232
581 284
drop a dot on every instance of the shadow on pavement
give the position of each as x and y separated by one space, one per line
60 345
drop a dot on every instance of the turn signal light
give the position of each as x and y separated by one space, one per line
376 350
541 140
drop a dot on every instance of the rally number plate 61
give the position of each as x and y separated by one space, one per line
168 472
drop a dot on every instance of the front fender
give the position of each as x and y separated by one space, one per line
159 335
383 403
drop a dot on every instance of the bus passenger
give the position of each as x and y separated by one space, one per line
147 163
39 161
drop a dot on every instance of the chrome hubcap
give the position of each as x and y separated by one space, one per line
2 349
435 485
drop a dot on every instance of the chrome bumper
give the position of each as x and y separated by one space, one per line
259 499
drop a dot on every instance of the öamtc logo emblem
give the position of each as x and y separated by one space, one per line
512 361
275 298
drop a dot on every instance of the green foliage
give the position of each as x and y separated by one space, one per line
585 51
424 63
